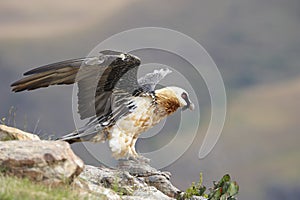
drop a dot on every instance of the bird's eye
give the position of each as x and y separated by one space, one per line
184 95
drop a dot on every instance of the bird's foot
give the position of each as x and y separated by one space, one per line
143 159
139 159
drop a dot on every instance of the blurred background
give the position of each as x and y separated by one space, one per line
255 44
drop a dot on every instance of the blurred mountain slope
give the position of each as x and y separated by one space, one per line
259 143
255 44
35 19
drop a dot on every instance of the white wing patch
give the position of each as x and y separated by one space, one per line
94 61
150 80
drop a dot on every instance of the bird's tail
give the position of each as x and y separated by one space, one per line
71 138
54 74
86 133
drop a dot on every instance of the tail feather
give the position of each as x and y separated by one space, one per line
71 138
87 133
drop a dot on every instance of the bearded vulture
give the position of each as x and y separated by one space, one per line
119 106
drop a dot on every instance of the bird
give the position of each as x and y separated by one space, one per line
118 105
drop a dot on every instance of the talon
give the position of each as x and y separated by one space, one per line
133 159
143 159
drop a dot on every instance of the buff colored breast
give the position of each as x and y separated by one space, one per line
125 132
141 119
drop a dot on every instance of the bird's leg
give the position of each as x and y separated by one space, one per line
143 159
136 157
139 159
132 153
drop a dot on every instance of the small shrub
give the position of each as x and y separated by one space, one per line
196 189
225 189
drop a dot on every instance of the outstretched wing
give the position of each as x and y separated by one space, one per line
97 92
98 79
150 80
121 102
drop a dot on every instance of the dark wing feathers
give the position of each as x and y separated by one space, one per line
95 91
72 63
106 85
97 79
53 74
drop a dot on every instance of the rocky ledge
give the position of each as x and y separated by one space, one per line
54 163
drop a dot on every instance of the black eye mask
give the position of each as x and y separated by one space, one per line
188 103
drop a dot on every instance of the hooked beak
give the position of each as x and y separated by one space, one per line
190 106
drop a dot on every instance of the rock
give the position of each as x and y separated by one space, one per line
147 193
54 163
197 198
151 176
10 133
136 168
50 162
90 190
163 185
119 182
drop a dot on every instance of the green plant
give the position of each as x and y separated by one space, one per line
119 190
196 189
10 120
225 189
12 113
2 121
3 169
11 117
25 123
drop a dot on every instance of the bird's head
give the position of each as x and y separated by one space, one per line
183 98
